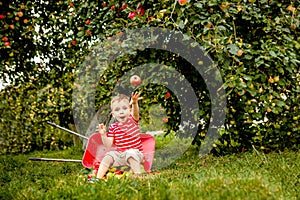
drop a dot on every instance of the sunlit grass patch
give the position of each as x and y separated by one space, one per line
240 176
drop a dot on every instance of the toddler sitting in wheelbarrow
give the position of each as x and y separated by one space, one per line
124 134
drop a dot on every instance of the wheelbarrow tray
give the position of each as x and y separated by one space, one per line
95 150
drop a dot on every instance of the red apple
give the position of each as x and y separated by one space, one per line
291 8
182 2
140 11
168 95
7 44
2 16
87 21
271 80
5 39
124 6
240 52
74 42
88 32
135 80
20 14
224 6
164 120
131 15
150 18
293 26
208 25
118 172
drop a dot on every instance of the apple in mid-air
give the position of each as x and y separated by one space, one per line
135 80
182 2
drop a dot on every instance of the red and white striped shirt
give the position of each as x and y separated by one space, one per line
126 136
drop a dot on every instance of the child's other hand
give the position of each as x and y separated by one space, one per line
102 129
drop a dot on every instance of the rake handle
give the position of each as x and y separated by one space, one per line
62 128
53 159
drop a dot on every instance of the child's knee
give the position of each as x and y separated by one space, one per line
134 155
107 161
131 160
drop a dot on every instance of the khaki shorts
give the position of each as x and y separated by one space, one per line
121 158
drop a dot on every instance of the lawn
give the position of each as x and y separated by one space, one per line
251 175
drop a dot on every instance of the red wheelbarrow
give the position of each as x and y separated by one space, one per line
95 150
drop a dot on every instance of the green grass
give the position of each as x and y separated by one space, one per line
242 176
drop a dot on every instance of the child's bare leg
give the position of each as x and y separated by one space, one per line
134 165
106 162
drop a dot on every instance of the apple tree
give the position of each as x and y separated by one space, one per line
254 44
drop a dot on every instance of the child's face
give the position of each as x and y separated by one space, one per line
121 110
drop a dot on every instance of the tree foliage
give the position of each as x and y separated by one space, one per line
254 44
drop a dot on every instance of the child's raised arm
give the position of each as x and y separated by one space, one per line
135 111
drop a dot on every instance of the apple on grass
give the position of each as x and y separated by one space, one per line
135 80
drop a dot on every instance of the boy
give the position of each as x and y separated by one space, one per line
124 134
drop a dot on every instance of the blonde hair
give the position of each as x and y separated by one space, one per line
118 98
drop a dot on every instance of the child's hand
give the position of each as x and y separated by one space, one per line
102 129
135 96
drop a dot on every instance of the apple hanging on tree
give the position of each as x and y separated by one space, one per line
5 39
131 15
20 14
164 120
7 44
135 80
87 22
168 95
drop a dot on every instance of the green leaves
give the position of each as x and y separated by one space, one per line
233 49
